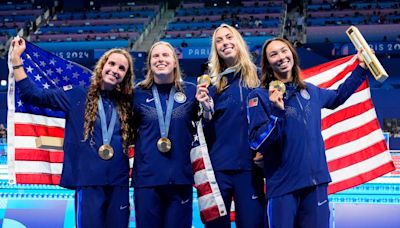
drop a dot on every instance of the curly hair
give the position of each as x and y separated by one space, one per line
149 79
122 94
243 63
267 74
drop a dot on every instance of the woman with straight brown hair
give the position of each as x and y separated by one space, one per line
285 126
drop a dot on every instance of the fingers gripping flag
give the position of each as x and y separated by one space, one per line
27 163
356 150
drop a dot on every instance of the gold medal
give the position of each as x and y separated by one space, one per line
106 152
204 79
164 145
277 85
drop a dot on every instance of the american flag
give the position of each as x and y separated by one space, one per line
28 164
211 204
356 150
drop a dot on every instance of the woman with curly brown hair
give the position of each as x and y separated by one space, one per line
97 135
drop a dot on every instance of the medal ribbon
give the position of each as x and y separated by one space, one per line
106 132
225 72
164 123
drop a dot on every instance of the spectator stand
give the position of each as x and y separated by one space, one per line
117 26
194 23
328 20
14 17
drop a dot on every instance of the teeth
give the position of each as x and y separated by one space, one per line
284 63
227 49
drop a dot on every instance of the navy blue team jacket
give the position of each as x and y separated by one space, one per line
82 165
151 167
290 139
227 133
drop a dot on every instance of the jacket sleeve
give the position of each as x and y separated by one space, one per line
264 120
55 99
333 98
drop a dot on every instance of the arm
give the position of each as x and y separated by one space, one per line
206 101
50 98
18 46
333 98
264 119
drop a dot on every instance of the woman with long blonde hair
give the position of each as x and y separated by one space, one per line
238 178
97 135
164 107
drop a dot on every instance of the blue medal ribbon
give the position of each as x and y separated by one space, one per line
164 123
106 132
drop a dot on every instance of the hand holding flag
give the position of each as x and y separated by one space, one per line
356 150
27 163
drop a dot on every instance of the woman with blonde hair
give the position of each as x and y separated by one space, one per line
97 135
234 76
239 59
164 107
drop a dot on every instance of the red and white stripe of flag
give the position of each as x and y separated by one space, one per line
211 204
356 150
29 164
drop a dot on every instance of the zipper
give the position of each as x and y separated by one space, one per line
240 164
307 141
241 96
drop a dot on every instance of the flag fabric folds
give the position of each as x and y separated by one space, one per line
210 201
356 150
27 163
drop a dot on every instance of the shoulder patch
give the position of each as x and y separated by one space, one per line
67 87
253 102
180 97
305 94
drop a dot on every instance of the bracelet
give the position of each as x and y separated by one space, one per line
17 66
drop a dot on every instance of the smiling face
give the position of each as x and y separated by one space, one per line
280 59
114 71
226 46
162 63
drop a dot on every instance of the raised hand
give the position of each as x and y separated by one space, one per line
202 96
276 97
18 47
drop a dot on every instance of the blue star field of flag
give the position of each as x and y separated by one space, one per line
49 71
